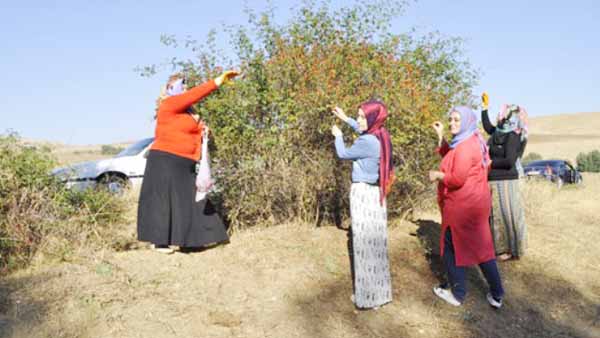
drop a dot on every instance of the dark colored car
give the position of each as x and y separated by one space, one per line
558 171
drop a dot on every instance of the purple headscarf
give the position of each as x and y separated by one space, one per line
176 87
468 128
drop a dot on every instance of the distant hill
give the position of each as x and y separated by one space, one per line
69 153
566 124
564 136
556 136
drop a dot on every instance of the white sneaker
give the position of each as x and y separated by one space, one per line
493 302
446 295
163 249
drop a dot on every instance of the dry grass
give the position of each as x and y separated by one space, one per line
294 281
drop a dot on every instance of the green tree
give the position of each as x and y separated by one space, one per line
108 149
589 162
531 157
274 152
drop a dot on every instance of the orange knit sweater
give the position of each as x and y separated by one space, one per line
177 132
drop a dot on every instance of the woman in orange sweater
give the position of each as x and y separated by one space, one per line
167 212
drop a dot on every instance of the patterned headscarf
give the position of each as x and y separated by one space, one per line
513 118
176 88
376 113
468 128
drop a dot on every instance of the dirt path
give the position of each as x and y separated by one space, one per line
294 281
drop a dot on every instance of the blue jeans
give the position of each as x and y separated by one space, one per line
456 274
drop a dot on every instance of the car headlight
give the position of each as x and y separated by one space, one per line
63 173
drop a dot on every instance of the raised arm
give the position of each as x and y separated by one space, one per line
485 119
487 125
443 148
353 124
360 149
339 113
180 103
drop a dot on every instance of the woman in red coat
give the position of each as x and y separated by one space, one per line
465 202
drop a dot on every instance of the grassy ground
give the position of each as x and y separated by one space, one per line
294 281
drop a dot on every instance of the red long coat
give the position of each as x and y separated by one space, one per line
465 202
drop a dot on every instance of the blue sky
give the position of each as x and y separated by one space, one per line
67 66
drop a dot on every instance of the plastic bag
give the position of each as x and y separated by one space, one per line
204 182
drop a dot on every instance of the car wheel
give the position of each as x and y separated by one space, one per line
114 183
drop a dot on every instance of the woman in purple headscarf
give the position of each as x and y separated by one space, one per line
372 177
464 201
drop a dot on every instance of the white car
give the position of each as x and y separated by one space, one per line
124 170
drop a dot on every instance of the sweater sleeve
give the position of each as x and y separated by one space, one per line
487 125
457 176
180 103
360 149
511 152
522 148
353 124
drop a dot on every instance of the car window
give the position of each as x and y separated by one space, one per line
543 163
135 148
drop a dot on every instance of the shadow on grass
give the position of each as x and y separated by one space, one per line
536 304
21 314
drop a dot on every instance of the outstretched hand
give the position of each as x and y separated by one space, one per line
435 175
339 113
485 101
439 128
226 77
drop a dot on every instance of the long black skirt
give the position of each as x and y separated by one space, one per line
168 213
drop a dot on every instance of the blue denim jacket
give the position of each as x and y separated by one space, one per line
364 153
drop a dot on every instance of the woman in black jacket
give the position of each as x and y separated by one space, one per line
506 143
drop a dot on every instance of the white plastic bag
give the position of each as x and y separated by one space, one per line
204 182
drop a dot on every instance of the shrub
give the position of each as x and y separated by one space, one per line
36 211
589 162
273 150
531 157
108 149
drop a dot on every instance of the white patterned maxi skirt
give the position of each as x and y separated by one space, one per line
372 279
